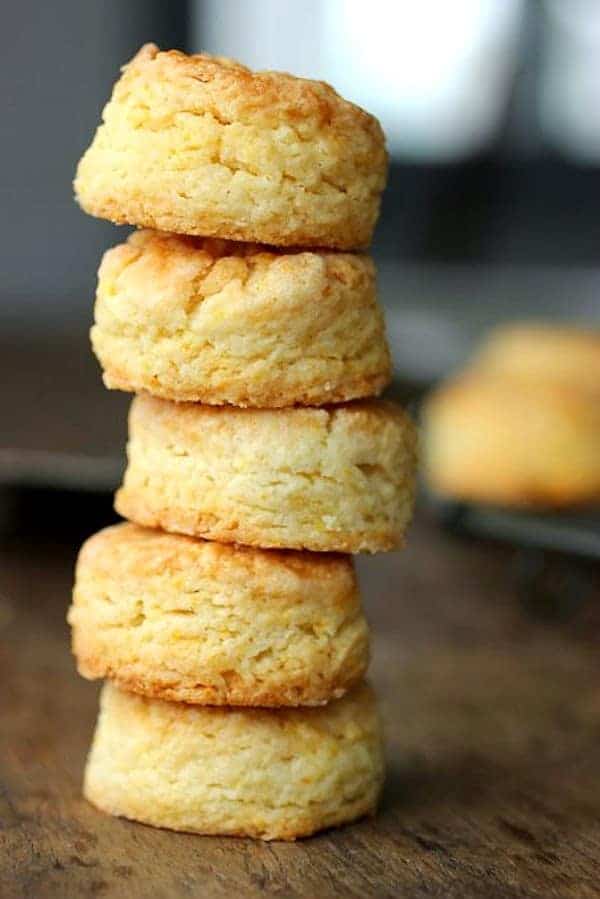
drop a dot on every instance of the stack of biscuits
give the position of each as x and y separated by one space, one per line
225 613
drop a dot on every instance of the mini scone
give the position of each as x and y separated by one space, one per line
271 774
558 353
202 145
195 621
513 441
334 479
219 322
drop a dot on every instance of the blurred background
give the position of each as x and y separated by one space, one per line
491 111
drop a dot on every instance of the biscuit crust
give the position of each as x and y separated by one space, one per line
202 145
271 774
218 322
201 622
337 479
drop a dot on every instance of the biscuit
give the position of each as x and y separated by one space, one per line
513 441
337 479
265 773
216 322
562 354
216 624
202 145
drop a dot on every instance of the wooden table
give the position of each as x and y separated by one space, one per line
493 723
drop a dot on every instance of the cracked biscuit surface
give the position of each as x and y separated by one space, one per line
337 479
218 322
202 145
201 622
265 773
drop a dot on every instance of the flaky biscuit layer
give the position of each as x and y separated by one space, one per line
220 322
271 774
338 479
202 145
216 624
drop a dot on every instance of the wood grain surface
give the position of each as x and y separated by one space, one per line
493 734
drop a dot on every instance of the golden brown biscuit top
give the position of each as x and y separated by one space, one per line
534 350
353 418
206 251
232 92
165 270
147 551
